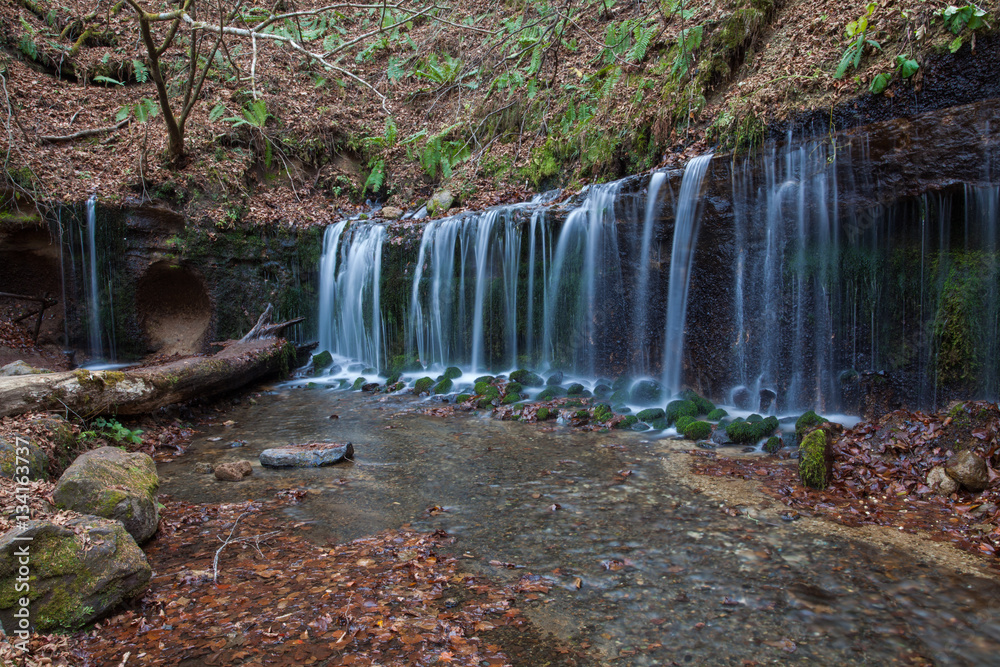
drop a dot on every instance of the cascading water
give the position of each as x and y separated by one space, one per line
350 289
93 293
641 366
681 262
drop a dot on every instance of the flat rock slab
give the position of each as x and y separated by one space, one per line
311 455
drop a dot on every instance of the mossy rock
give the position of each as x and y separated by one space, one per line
621 383
545 413
773 444
392 379
452 372
650 415
33 459
639 426
603 412
79 572
704 405
510 398
423 385
815 459
659 424
555 378
481 387
64 444
619 396
112 483
742 432
513 388
717 414
602 391
550 392
527 378
754 418
628 422
358 384
806 422
576 389
322 360
646 392
462 398
697 430
683 421
443 387
488 379
621 409
680 408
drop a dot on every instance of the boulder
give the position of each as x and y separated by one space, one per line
19 368
391 213
968 470
114 484
311 455
440 202
646 392
940 482
78 572
742 398
767 397
555 378
815 460
233 471
33 459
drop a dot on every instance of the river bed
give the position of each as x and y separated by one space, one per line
644 569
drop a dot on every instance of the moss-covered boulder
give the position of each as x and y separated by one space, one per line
114 484
717 414
645 392
423 385
488 379
34 460
626 422
452 372
697 430
704 405
76 573
358 384
545 413
550 392
806 422
462 398
527 378
620 383
659 424
555 378
444 386
815 460
683 421
650 415
322 360
576 389
773 444
754 418
680 408
513 388
602 391
603 412
751 432
508 399
619 396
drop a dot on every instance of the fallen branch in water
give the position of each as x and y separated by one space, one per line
229 540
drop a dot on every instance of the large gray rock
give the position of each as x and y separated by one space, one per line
78 572
114 484
312 455
968 470
32 458
19 368
440 202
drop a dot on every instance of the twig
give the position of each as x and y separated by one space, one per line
51 139
229 540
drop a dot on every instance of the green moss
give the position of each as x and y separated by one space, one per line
322 360
628 422
358 383
806 422
452 372
510 398
754 418
488 379
462 398
544 413
602 391
443 387
527 378
650 414
647 391
619 396
704 405
717 414
697 430
513 388
423 385
482 386
813 460
773 444
680 408
659 424
603 412
575 389
550 392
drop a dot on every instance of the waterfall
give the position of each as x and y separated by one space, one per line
350 289
681 263
643 298
93 294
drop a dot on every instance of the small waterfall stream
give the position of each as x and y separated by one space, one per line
93 293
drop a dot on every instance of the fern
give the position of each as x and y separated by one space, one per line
395 71
216 112
254 114
141 73
642 37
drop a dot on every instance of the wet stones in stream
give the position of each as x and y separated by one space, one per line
311 455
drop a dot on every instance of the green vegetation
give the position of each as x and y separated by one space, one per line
751 432
680 408
627 422
113 430
650 414
697 430
857 36
603 412
527 378
443 387
423 385
806 422
717 414
814 470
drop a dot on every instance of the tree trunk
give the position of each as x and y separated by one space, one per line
144 389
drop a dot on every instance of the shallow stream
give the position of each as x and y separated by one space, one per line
645 570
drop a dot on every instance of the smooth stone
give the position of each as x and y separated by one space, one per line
233 471
940 482
968 470
311 455
391 213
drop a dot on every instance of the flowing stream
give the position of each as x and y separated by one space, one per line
644 567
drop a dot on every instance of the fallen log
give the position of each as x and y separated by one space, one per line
142 390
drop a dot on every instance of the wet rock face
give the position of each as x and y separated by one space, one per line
233 471
968 470
79 572
111 483
312 455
